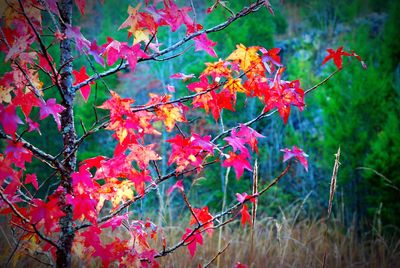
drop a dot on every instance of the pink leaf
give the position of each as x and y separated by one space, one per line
80 41
238 162
178 185
243 197
182 76
237 143
9 119
297 153
33 125
201 42
170 88
250 136
115 222
19 46
50 107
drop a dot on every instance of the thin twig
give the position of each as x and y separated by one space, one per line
218 254
190 207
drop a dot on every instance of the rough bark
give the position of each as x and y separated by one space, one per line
69 138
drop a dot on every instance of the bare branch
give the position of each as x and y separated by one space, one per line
216 256
190 207
323 81
41 155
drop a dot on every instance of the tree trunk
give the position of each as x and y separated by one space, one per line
69 137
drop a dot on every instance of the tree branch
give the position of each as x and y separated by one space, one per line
244 12
42 47
41 155
226 212
22 217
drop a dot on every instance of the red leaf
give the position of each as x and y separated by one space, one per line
204 216
81 6
18 154
139 179
44 63
93 162
84 207
282 94
336 56
26 101
31 178
270 58
187 151
49 212
240 265
81 76
192 241
245 215
297 153
208 101
50 107
142 154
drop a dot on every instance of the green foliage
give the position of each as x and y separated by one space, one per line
361 115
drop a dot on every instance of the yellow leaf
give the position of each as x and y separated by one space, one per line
5 95
246 56
235 85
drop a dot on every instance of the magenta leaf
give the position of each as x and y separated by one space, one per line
298 153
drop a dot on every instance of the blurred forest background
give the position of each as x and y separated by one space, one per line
358 110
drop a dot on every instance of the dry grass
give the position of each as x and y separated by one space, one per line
286 241
280 243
